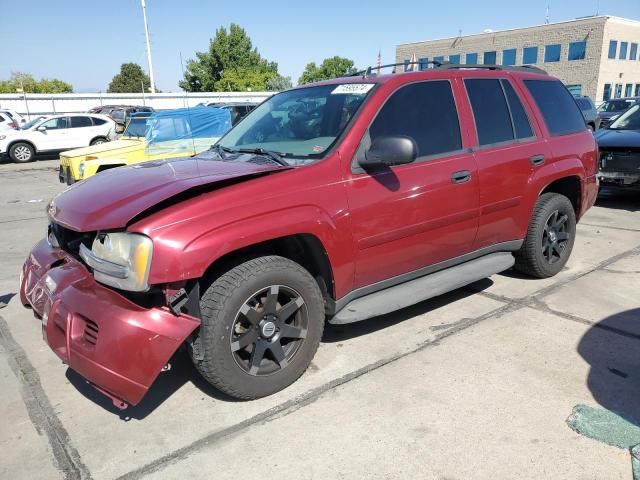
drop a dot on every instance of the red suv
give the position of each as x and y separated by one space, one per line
336 201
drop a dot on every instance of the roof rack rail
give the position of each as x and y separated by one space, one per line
370 70
514 68
445 65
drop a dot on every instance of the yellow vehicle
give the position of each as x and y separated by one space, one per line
169 134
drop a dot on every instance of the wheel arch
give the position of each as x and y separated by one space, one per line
28 142
303 248
97 137
569 186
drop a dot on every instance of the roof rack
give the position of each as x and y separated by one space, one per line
445 65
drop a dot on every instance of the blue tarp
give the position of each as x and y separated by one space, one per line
186 130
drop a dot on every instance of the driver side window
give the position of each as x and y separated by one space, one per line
56 123
425 112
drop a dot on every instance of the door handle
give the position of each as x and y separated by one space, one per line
461 176
537 160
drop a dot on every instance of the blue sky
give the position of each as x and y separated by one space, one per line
84 42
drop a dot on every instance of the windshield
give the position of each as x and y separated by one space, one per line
33 122
137 127
299 123
615 105
629 120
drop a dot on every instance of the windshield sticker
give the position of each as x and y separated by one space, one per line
318 148
352 88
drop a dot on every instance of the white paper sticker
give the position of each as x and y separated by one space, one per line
352 88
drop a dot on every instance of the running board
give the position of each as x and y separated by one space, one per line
423 288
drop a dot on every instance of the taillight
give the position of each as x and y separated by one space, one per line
13 125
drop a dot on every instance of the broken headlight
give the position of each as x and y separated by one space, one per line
120 259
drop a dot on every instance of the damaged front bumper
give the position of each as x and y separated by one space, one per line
117 345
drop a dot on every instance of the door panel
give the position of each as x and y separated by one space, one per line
412 216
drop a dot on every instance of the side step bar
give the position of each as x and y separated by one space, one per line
423 288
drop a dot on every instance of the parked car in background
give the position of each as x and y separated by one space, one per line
55 134
589 112
611 109
6 122
338 201
238 110
619 146
15 116
149 136
121 115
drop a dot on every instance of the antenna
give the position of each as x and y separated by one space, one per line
546 15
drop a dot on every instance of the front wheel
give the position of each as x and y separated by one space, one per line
261 326
550 237
98 141
21 152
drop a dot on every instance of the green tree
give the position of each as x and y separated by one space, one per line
131 79
329 68
278 83
25 81
230 57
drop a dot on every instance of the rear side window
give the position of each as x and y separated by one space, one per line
98 121
78 122
490 110
521 124
558 108
424 111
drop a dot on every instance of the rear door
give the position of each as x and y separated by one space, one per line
411 216
508 150
81 132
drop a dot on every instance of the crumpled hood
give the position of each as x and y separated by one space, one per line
607 138
115 147
112 198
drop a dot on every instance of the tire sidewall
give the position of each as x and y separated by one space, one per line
21 144
98 141
563 205
217 323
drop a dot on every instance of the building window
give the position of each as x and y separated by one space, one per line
490 58
607 92
423 63
529 55
577 50
454 59
552 53
406 65
509 57
575 90
623 50
633 53
613 47
628 88
439 58
637 92
618 91
471 58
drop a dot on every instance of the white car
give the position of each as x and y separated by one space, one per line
15 116
55 134
6 122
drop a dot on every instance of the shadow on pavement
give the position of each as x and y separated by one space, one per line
619 198
183 371
4 299
614 377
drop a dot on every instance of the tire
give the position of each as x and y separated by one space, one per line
591 127
550 237
98 141
22 152
241 323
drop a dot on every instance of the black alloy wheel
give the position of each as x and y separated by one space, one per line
555 237
268 330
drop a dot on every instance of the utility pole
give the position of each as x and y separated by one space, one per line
146 34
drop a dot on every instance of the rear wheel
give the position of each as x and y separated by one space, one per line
21 152
98 141
261 325
550 237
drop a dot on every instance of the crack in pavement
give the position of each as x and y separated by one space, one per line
40 411
41 217
625 229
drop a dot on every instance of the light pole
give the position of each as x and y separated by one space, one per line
146 34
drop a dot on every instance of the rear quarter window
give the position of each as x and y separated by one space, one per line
558 107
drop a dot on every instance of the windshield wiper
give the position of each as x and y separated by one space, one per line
221 151
267 153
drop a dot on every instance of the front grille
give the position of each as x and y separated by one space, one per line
90 332
70 240
620 160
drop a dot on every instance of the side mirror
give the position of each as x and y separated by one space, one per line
389 150
41 128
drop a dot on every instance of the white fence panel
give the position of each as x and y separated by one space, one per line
47 104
